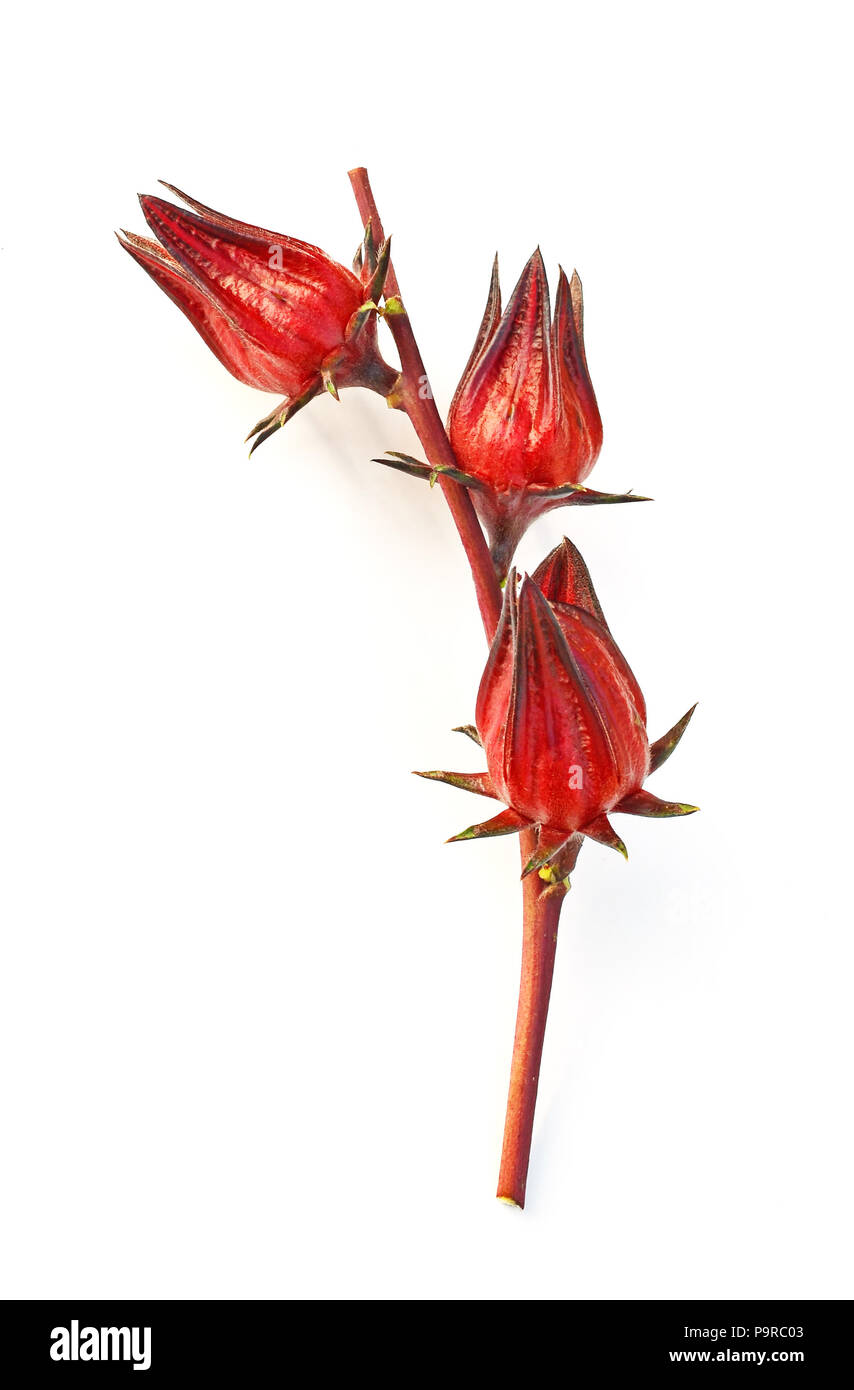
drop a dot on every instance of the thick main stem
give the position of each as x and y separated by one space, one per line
421 409
541 913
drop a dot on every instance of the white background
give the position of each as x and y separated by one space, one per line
255 1017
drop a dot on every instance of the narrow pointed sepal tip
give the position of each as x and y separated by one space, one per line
644 803
480 783
507 822
577 495
604 833
470 731
281 414
405 463
376 284
662 748
262 434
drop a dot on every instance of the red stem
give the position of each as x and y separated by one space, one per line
421 409
541 911
540 917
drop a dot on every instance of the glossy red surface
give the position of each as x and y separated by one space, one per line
560 713
524 411
277 312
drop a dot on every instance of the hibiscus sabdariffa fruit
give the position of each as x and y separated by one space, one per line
524 423
560 716
280 314
562 721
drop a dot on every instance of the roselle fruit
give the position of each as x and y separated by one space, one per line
280 314
562 722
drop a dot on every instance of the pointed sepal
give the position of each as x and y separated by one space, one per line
405 463
376 284
555 858
491 318
369 247
280 415
507 822
564 578
644 803
602 831
568 339
577 495
362 316
478 782
470 732
660 751
549 847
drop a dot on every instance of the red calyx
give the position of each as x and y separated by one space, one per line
524 422
280 314
561 716
562 720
